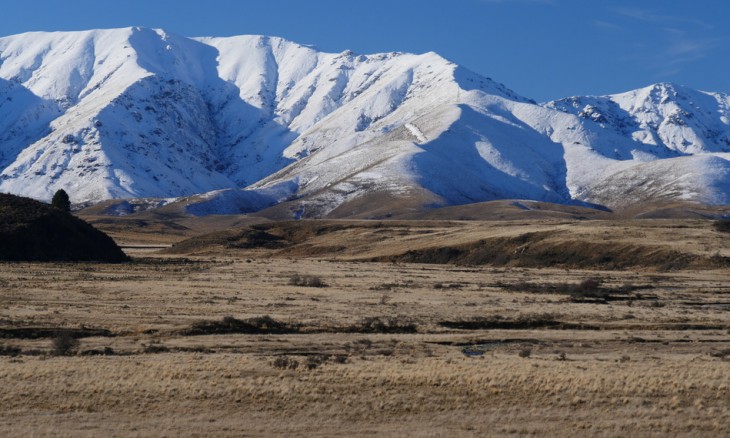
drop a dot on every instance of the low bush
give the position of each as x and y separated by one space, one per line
722 354
306 281
106 351
7 350
155 348
588 290
258 325
377 324
723 225
314 361
285 363
448 286
63 343
525 353
340 359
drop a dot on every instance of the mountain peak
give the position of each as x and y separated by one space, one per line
666 86
143 113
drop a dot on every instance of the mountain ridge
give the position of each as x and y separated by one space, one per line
254 121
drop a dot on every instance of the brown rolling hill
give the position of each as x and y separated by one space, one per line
657 245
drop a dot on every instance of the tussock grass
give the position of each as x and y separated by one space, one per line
649 371
509 395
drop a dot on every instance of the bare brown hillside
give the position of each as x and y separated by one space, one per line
653 244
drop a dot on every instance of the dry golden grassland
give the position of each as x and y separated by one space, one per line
177 345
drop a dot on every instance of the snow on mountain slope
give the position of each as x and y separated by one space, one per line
667 119
664 141
24 118
255 121
131 119
419 135
701 178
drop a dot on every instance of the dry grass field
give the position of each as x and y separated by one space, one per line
346 328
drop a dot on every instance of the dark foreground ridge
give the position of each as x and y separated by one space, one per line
33 231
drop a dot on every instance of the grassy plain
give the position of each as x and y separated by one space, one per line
177 344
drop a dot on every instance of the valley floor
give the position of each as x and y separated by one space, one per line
243 344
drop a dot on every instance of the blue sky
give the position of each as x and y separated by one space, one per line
543 49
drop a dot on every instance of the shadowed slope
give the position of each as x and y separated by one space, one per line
33 231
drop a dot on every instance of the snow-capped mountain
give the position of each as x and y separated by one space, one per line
251 121
661 142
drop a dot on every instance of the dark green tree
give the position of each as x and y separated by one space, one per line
61 201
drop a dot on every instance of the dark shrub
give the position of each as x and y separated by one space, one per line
391 324
155 348
285 363
258 325
723 225
106 351
316 360
63 343
306 281
589 288
6 350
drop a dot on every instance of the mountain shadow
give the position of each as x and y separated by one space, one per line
479 154
24 119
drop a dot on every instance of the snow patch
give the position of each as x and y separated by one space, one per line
416 132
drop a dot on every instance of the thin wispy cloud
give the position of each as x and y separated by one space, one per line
544 2
652 17
607 25
686 50
681 50
677 41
